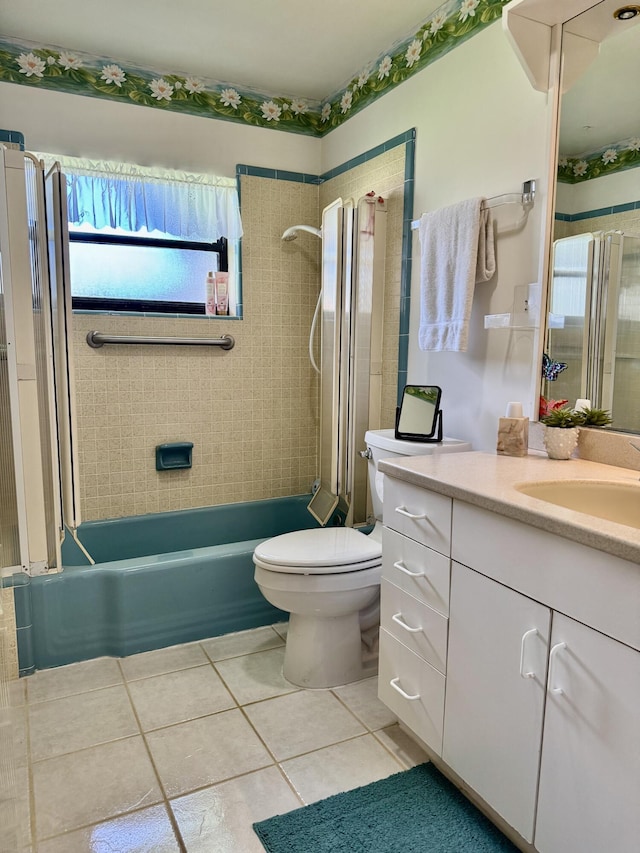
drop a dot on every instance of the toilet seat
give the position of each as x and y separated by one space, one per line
329 550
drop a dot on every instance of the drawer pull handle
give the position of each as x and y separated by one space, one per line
526 634
397 618
558 691
402 568
396 686
402 510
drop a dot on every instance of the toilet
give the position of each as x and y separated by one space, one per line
328 580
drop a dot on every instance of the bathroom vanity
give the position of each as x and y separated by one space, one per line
510 642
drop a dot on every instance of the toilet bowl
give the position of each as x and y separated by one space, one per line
328 580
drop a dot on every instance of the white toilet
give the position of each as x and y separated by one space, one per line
328 579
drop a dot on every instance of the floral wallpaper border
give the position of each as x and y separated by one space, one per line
607 160
43 66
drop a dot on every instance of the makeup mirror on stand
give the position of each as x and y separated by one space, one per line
419 416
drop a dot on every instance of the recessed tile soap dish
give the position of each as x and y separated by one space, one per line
178 454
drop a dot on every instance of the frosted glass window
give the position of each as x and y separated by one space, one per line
114 270
140 272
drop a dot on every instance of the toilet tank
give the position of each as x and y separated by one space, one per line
382 444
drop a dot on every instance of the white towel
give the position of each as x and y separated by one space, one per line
457 251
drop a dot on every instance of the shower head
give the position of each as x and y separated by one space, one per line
292 233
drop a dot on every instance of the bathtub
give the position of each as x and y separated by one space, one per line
158 580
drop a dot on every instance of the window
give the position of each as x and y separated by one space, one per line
144 240
150 274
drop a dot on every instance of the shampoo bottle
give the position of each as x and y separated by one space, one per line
210 303
222 293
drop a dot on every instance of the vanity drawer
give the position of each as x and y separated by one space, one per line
422 572
420 514
414 624
412 689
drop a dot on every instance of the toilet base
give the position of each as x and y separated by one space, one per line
324 652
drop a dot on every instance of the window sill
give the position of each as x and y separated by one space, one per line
156 314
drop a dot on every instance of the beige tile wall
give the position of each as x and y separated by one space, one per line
385 176
8 636
250 412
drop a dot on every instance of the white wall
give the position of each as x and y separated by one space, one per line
481 130
607 191
93 127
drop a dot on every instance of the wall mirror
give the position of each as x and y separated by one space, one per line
593 328
419 417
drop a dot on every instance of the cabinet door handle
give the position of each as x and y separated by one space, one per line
396 686
402 568
402 510
558 691
397 618
523 642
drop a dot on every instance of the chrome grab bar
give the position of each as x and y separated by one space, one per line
97 339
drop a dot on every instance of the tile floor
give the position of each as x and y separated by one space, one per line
182 749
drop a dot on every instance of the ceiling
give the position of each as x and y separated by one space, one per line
283 47
603 106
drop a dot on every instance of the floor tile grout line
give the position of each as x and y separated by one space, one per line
33 702
384 746
33 838
245 654
168 800
343 702
165 798
321 748
67 832
203 663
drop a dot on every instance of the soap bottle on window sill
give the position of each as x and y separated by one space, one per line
222 293
210 304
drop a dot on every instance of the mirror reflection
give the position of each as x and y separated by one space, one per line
593 330
419 417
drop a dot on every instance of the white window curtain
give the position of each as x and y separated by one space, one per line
122 195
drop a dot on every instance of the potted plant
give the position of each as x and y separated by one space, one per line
595 418
562 428
561 433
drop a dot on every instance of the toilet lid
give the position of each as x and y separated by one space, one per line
319 551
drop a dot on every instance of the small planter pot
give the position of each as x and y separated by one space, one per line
560 443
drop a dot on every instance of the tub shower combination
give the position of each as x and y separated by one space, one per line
157 580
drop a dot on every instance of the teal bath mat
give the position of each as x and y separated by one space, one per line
416 811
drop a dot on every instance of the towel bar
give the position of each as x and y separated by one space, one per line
97 339
525 198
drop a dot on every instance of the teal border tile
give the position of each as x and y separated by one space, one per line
600 211
408 139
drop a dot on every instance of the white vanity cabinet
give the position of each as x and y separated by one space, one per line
497 666
541 676
414 608
589 796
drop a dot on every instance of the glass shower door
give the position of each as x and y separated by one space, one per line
571 320
621 359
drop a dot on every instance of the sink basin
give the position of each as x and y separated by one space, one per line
613 500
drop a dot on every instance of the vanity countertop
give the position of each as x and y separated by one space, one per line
487 480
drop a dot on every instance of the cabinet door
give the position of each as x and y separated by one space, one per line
589 796
496 672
